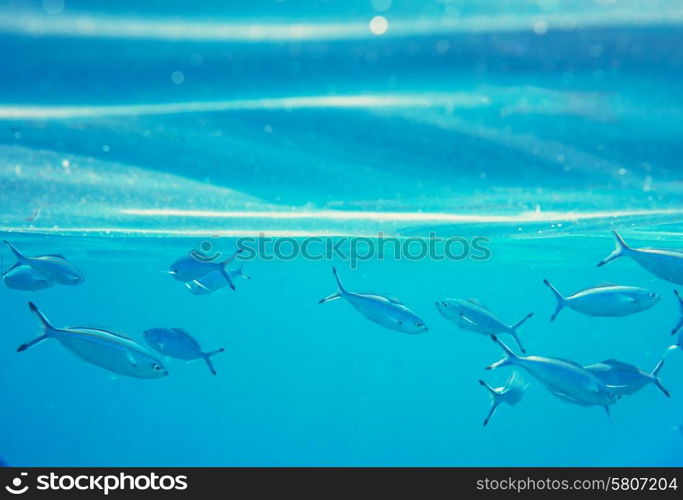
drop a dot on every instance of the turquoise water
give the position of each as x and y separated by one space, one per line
131 134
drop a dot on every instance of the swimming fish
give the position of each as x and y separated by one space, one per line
177 343
565 379
108 350
511 393
606 300
679 325
665 264
470 315
22 277
51 267
384 311
624 379
214 281
188 268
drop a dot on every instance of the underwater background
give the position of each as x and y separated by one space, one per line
132 132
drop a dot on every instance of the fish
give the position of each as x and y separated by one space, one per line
665 264
679 325
624 379
470 315
54 268
607 300
511 393
188 268
177 343
565 379
387 312
112 351
214 281
23 277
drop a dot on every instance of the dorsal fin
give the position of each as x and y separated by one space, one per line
102 330
477 303
614 363
605 284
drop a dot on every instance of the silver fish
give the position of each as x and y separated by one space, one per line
565 379
23 277
470 315
665 264
177 343
384 311
511 393
188 268
624 378
214 281
606 300
679 325
54 268
108 350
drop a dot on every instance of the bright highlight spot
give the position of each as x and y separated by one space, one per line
379 25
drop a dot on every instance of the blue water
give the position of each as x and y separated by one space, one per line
132 132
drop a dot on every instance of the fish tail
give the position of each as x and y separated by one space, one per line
620 251
558 296
47 328
657 381
223 267
510 358
226 274
207 357
513 330
490 389
340 289
241 274
20 257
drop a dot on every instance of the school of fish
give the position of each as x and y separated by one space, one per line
600 384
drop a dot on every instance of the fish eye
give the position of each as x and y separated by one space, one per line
445 304
156 367
419 324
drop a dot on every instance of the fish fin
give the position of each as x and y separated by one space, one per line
477 303
492 410
657 381
226 274
513 331
207 358
468 320
521 321
231 258
561 302
31 343
340 289
5 273
20 257
195 284
510 358
131 358
621 250
223 268
620 364
55 255
241 274
41 317
490 389
605 284
329 298
609 415
519 342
